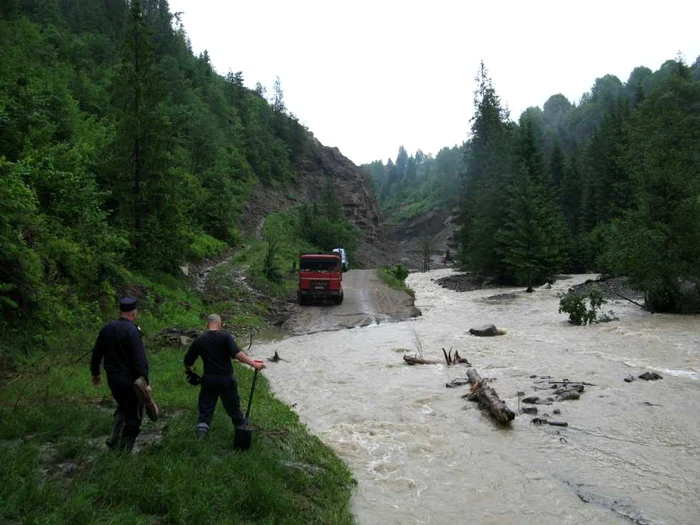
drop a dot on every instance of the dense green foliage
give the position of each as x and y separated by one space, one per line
120 152
609 184
418 183
395 277
621 170
323 225
574 304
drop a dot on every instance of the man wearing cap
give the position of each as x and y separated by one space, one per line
120 344
216 348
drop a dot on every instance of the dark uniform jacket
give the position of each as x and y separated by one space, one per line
121 346
216 348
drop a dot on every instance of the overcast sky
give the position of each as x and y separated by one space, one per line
370 76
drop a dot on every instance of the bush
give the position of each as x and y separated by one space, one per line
270 269
202 246
327 233
395 277
574 304
399 271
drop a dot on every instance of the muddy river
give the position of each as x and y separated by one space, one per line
422 454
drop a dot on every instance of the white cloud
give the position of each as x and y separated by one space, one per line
369 76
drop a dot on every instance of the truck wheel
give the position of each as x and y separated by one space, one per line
301 299
338 299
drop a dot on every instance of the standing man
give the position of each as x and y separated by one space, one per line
119 342
217 348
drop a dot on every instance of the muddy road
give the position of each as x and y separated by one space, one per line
367 301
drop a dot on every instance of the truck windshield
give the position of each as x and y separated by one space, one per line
319 265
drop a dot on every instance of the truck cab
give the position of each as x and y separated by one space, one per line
320 277
343 258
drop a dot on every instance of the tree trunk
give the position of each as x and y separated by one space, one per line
488 398
415 360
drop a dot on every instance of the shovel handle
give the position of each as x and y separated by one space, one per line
252 389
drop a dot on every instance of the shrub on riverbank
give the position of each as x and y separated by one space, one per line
395 277
574 304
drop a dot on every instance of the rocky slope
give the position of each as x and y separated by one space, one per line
353 191
409 237
381 244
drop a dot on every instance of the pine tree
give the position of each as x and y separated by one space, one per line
153 208
488 160
532 240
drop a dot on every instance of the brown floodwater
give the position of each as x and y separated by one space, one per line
423 454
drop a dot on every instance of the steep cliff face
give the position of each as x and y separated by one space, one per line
353 190
353 186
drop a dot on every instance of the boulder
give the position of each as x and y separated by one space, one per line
488 330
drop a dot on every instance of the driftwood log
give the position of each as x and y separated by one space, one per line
416 360
450 359
488 398
454 359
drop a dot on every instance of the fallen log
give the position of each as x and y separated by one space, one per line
460 381
275 358
454 359
565 382
488 398
415 360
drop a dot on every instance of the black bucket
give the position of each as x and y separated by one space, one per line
243 436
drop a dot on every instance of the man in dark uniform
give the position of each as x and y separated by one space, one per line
119 342
217 348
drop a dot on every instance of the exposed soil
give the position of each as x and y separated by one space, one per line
465 282
408 240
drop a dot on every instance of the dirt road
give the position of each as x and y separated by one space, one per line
367 301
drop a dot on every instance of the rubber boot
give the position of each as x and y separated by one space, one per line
126 444
117 428
202 431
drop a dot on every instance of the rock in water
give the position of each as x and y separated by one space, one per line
650 376
488 330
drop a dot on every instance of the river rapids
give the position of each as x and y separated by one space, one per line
423 454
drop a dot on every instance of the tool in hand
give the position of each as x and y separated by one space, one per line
243 437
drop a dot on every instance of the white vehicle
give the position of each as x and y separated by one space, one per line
343 258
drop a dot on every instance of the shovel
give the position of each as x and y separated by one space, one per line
243 436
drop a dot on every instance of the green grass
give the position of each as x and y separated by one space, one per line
401 212
54 417
386 275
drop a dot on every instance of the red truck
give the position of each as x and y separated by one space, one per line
320 277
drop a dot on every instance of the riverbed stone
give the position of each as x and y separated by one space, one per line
487 330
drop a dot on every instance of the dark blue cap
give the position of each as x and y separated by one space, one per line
127 304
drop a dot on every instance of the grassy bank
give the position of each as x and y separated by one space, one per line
53 424
395 277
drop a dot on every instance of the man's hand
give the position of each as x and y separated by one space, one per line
258 365
96 380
